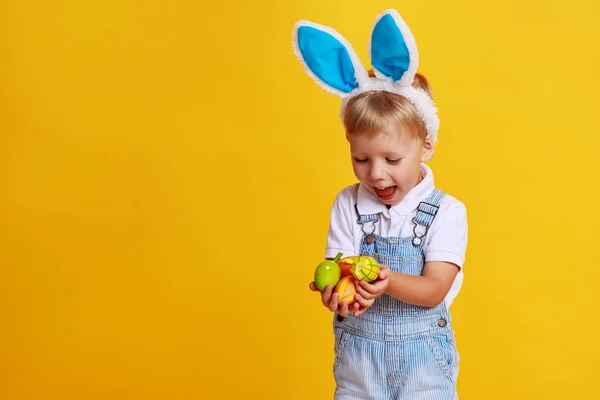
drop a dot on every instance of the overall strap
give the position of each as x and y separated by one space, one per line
369 219
426 212
363 219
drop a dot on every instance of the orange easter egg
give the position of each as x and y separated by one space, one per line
346 264
345 268
345 289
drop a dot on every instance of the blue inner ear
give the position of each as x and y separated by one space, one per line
327 58
389 53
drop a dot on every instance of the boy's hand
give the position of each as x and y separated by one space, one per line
365 296
367 292
330 300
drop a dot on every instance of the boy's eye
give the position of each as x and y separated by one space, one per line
393 162
361 160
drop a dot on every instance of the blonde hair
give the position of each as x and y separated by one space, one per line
375 111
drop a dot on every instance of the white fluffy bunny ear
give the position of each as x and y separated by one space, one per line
328 58
393 49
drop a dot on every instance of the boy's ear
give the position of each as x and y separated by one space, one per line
427 152
347 136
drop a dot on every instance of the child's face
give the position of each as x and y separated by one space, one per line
388 163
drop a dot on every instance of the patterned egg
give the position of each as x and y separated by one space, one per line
345 289
365 268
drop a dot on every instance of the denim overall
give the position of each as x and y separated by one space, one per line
397 350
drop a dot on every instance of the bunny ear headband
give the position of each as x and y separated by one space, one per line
331 61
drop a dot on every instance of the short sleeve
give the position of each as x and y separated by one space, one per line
340 237
448 236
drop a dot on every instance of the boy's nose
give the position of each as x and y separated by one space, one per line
377 173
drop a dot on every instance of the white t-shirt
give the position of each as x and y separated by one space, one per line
445 241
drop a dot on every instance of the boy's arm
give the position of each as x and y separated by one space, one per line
445 255
427 290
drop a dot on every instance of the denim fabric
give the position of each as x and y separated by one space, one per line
397 350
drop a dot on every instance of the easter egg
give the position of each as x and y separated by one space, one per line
327 273
345 289
365 268
345 265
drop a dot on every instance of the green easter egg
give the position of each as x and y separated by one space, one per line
328 273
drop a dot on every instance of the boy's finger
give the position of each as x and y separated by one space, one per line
343 309
362 301
378 286
374 287
361 291
333 303
371 288
361 311
326 296
384 273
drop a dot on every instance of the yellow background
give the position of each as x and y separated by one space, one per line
167 170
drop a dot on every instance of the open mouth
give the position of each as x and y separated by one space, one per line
385 193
